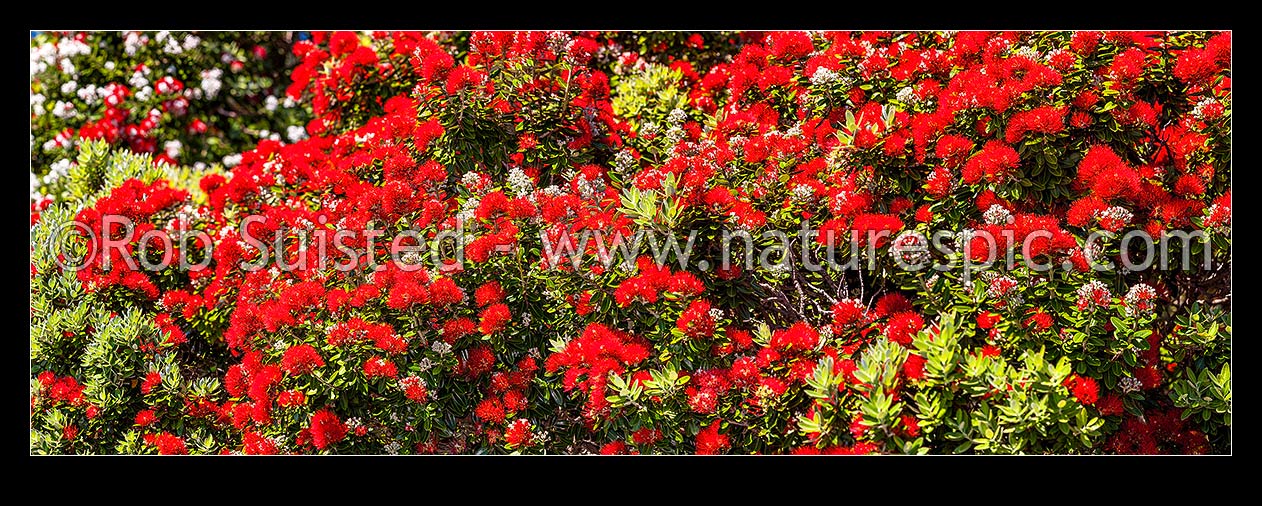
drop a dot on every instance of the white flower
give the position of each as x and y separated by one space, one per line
624 161
823 77
295 133
441 347
57 170
69 87
906 95
172 47
64 110
520 182
191 41
270 103
997 215
675 133
172 148
37 104
677 117
68 48
802 193
232 160
210 82
88 94
138 80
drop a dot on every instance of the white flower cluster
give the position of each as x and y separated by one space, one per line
172 148
824 76
425 364
37 104
270 103
64 110
677 117
441 347
589 189
90 94
133 41
393 447
1129 384
468 210
57 170
232 160
520 183
42 57
1116 213
802 193
997 215
675 134
906 95
295 133
211 82
1027 52
472 181
624 161
557 41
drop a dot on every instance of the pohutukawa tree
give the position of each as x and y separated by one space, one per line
554 242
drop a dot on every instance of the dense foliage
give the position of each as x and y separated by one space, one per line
526 338
195 99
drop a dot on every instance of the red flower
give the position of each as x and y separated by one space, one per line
301 359
518 433
414 389
847 312
376 367
914 367
255 444
696 321
291 398
710 442
326 429
614 448
1110 405
902 327
987 319
145 417
169 444
911 426
152 379
494 318
1083 388
488 293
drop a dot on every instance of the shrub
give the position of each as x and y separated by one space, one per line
525 337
